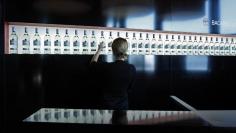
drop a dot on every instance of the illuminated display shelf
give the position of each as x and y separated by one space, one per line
36 38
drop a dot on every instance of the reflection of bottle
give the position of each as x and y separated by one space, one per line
190 46
110 40
134 45
102 40
93 43
167 46
172 45
184 46
212 47
206 47
217 47
140 45
200 47
26 42
85 43
47 42
66 49
195 46
13 42
57 43
160 50
147 45
153 45
227 47
76 43
178 47
222 46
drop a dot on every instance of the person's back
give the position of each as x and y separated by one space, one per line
117 77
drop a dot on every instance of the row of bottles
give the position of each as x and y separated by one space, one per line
139 43
90 116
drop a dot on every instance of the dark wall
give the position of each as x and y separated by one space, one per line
35 81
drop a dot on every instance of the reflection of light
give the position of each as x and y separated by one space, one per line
109 58
37 78
143 22
137 61
197 63
149 63
110 22
227 16
196 25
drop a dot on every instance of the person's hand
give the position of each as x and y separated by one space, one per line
101 46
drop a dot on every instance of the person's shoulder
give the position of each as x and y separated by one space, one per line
132 67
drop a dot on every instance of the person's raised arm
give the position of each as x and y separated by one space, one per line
96 55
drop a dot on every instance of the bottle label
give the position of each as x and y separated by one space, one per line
93 44
85 44
66 43
36 42
57 43
13 42
47 43
76 43
25 42
147 45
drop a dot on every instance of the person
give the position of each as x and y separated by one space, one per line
116 79
119 117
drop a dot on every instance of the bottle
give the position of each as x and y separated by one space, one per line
206 47
47 42
57 43
26 42
128 40
178 47
222 46
217 47
172 45
160 47
184 46
134 45
167 46
195 46
190 46
153 45
76 43
147 45
232 52
140 45
13 42
234 48
227 47
66 49
36 42
201 46
85 42
93 43
110 40
212 46
103 41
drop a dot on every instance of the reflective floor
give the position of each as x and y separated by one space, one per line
130 117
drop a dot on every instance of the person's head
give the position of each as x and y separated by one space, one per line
120 48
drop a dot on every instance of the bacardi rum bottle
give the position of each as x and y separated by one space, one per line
212 47
26 42
66 49
167 46
36 42
57 43
153 45
13 42
47 42
217 47
172 45
179 46
85 43
110 40
206 47
76 43
201 46
195 46
147 45
184 46
141 45
160 45
222 46
227 47
93 43
190 46
134 44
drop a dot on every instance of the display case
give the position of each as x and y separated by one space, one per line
38 38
